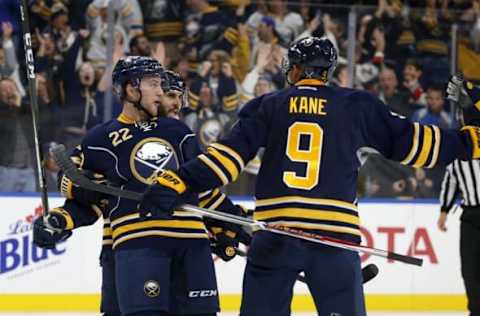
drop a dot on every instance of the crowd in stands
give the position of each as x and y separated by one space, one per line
228 51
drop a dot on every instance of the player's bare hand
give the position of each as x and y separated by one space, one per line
442 221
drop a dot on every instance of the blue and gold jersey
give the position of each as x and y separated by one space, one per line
128 154
311 134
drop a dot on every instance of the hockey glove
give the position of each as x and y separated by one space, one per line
82 195
454 87
161 198
49 231
225 245
474 93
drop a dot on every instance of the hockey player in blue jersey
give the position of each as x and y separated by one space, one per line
91 204
159 264
311 133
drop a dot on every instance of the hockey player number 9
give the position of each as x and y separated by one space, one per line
311 155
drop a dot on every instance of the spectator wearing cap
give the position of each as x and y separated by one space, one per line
16 156
412 71
217 73
288 24
267 36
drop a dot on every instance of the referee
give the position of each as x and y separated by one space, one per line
464 177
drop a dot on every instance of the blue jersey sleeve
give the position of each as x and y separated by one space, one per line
409 143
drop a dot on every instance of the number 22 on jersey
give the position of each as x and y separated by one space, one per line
311 155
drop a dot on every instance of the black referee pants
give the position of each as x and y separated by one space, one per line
470 257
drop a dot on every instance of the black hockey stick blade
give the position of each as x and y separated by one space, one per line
369 272
405 259
65 163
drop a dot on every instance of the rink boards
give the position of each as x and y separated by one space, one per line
68 278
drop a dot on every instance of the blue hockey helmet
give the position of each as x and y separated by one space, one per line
173 81
132 69
317 55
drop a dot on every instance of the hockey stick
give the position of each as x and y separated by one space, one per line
30 67
79 179
368 272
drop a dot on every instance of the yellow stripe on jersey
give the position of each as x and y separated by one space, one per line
68 218
426 147
206 197
326 227
157 223
107 242
300 199
307 214
160 233
220 174
231 152
107 232
415 141
226 162
474 132
97 210
125 218
436 146
219 201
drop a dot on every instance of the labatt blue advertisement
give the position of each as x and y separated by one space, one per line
18 254
71 267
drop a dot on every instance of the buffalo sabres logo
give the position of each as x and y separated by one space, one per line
151 288
150 156
210 131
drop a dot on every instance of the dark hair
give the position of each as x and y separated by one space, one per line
134 41
437 87
414 63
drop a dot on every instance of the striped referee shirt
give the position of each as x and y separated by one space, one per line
461 176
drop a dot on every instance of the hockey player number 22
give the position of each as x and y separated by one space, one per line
311 155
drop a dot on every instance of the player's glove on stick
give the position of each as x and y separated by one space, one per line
81 195
459 90
49 231
454 87
161 198
225 245
474 93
